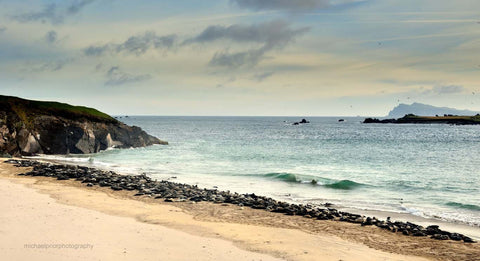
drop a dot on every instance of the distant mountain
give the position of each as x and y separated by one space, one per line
426 110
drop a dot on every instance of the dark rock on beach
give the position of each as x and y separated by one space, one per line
144 186
30 127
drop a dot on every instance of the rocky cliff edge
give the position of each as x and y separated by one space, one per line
35 127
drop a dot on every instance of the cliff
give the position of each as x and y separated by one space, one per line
30 127
425 110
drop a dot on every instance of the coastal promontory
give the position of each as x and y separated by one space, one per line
425 110
445 119
30 127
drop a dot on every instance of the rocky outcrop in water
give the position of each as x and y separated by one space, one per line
144 186
445 119
303 121
31 127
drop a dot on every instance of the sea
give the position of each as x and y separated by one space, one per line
427 171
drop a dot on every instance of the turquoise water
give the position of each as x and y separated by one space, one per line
425 170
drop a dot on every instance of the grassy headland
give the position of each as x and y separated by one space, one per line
27 109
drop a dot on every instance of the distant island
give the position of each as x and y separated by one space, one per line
445 119
426 110
30 127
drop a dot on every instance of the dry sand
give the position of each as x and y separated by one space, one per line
120 227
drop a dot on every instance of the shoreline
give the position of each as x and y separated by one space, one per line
178 192
353 235
44 220
469 230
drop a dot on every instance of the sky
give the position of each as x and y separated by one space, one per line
242 57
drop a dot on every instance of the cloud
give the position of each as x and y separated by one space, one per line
289 5
135 45
3 29
99 67
235 60
96 50
275 33
52 13
115 77
50 66
269 35
51 37
48 13
262 76
227 81
445 89
78 5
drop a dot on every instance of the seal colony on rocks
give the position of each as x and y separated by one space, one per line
30 127
175 192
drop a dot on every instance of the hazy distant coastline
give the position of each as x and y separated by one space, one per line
426 110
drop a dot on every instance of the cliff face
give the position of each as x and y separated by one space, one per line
31 127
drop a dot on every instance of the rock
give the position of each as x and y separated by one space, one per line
104 184
5 155
371 120
303 121
117 188
419 234
456 237
29 127
374 120
440 237
176 192
411 118
468 240
367 222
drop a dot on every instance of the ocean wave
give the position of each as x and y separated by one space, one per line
463 206
344 184
314 180
288 177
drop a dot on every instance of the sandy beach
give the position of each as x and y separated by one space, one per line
46 219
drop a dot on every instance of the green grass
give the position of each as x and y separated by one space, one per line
27 109
73 109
